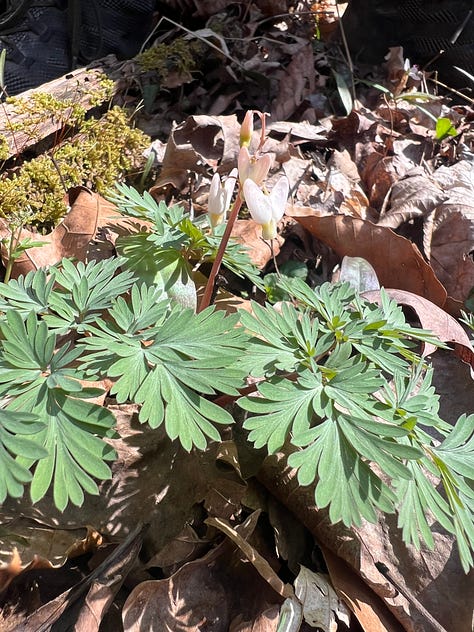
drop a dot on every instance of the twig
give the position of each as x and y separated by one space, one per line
347 52
456 92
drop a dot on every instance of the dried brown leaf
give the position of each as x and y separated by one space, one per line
88 600
397 262
33 539
296 82
191 598
381 172
265 621
198 143
185 547
249 233
370 611
452 245
299 130
416 196
71 238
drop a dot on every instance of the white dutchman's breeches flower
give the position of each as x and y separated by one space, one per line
267 210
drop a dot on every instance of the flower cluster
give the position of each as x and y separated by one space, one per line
265 208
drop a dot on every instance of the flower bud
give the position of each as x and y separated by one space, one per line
220 195
246 129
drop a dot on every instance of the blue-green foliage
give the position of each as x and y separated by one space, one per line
341 386
327 359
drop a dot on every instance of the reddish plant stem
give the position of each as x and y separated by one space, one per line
206 298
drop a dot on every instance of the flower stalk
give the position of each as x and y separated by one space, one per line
207 296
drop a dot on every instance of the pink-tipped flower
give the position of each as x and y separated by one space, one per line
267 210
252 168
246 129
220 195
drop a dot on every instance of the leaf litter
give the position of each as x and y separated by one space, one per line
224 530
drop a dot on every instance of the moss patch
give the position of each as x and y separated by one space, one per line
100 153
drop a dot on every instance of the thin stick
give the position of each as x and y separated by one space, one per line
456 92
347 52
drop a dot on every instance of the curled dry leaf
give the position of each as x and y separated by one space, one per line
198 143
26 539
265 621
381 172
416 196
444 202
397 262
299 130
453 230
322 608
188 599
82 607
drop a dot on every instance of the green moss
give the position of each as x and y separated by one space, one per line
4 148
104 92
41 107
178 56
102 152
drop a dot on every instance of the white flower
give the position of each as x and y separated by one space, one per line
267 210
252 168
220 195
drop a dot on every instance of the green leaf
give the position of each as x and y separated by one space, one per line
345 482
190 355
27 294
417 497
285 340
146 307
326 363
35 379
25 244
174 235
75 455
17 430
344 92
284 406
83 291
131 202
457 449
139 255
444 128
